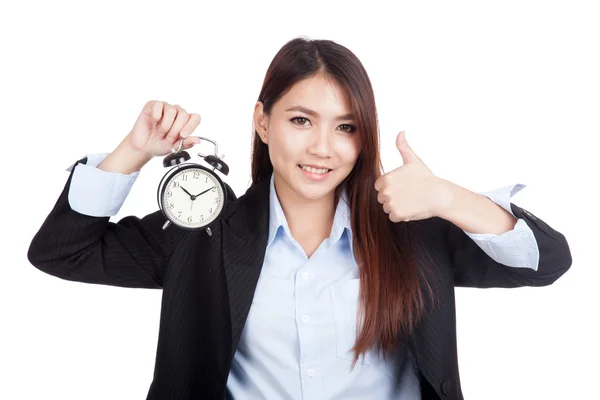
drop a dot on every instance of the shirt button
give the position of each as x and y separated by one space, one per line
304 275
310 372
306 318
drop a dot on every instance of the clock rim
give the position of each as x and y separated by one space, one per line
170 174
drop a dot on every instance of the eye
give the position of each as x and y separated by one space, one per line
346 127
299 118
351 128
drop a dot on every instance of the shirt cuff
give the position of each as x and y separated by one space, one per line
516 247
98 193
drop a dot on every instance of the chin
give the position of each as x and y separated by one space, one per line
313 192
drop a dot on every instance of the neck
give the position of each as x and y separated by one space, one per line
306 218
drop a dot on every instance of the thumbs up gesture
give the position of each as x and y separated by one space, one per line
411 191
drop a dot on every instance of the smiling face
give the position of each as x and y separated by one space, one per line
311 125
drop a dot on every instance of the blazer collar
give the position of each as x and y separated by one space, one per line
245 226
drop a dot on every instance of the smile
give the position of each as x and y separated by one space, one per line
314 170
314 173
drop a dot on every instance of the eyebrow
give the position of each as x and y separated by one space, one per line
315 114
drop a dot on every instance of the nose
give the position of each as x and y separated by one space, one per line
320 144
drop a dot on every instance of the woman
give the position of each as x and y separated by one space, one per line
326 279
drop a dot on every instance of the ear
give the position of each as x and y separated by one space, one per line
261 122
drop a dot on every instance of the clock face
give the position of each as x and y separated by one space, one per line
193 198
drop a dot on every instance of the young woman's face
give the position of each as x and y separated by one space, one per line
310 125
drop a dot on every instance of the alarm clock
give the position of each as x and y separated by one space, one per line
190 195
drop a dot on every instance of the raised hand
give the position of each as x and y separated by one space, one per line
411 191
159 126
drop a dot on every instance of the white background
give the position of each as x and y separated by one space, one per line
489 95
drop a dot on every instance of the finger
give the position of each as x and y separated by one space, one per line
154 110
381 197
190 141
169 114
180 120
379 183
193 122
386 208
407 153
393 216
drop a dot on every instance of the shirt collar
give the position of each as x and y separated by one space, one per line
277 220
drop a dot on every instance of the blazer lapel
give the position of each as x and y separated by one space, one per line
245 232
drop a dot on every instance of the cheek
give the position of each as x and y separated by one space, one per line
286 143
348 150
282 149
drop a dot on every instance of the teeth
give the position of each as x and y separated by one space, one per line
314 170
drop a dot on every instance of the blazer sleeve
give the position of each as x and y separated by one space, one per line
130 253
472 267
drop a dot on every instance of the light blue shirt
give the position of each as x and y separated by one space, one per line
301 325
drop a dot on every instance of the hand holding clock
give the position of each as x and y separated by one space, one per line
158 130
159 126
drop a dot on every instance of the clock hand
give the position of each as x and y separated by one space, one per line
205 191
189 194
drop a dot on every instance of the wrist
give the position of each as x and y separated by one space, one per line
125 159
448 193
135 154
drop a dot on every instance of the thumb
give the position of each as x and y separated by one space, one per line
408 155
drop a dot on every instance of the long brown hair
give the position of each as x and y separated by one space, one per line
391 299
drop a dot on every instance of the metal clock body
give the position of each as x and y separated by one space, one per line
190 195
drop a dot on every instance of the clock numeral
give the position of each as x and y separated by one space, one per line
184 177
189 219
214 189
179 214
175 184
196 174
169 193
206 181
171 205
201 216
210 211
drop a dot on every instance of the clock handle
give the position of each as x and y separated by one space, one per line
216 147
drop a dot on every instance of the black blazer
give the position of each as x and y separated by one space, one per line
208 283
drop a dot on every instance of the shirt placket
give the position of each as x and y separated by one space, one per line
306 318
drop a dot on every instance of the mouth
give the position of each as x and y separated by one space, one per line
315 173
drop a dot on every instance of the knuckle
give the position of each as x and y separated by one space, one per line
180 110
